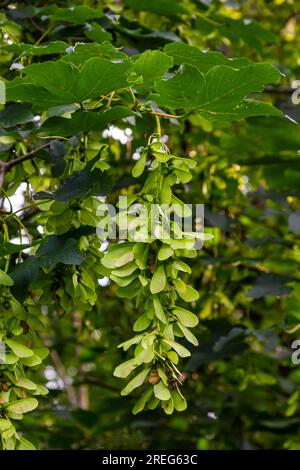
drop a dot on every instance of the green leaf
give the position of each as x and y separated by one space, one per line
185 90
118 255
262 378
32 361
23 274
58 83
130 342
8 433
136 382
130 291
248 108
41 352
4 424
173 356
181 266
158 280
16 113
168 406
185 317
22 406
87 182
165 195
59 249
7 248
82 52
8 358
203 61
143 355
138 168
179 401
58 78
152 65
123 281
165 252
124 369
141 323
158 308
188 335
53 47
22 89
100 76
181 350
18 349
161 391
96 33
23 444
84 121
12 415
187 293
5 279
17 331
125 270
24 382
140 252
141 403
219 93
161 7
40 390
250 32
152 404
74 14
162 375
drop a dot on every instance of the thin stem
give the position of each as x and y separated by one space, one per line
111 96
24 228
166 115
96 105
43 35
6 238
7 197
8 216
133 96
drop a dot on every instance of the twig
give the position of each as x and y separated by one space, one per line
111 95
100 383
10 164
7 166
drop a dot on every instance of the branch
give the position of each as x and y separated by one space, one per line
11 163
100 383
7 166
71 394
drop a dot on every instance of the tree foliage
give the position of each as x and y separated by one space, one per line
165 102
